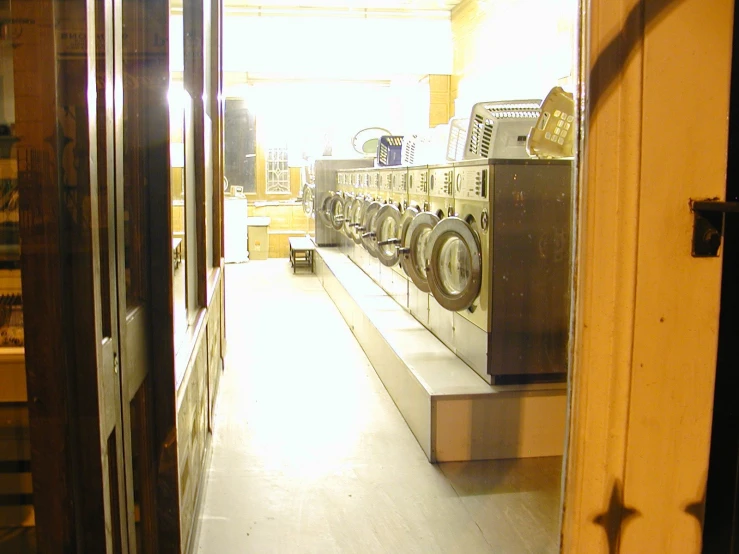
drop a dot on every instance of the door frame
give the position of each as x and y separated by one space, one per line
645 313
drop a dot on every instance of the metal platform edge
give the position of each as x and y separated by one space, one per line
491 423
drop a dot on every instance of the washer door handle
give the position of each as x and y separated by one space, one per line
388 241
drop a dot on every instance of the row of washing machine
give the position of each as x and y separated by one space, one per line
477 251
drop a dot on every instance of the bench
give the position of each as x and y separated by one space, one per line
301 252
177 251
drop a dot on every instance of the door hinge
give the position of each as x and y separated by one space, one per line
708 225
115 363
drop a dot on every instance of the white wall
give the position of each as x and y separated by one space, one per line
330 45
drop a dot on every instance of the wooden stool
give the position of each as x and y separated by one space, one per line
301 252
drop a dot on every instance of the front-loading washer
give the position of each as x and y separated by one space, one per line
502 268
412 263
394 280
373 203
441 204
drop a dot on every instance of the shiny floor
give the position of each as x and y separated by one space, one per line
310 455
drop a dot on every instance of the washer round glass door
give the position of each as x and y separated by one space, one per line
455 264
370 233
308 199
336 211
414 246
356 213
348 201
324 212
388 228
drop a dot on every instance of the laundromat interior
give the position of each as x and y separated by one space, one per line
370 276
398 206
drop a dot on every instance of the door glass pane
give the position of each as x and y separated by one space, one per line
136 103
388 231
455 266
240 154
102 172
419 249
177 99
209 119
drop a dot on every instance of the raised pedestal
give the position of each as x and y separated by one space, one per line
453 413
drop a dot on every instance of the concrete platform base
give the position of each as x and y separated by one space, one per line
453 413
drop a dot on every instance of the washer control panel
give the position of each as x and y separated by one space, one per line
418 181
385 177
374 181
400 181
441 182
472 182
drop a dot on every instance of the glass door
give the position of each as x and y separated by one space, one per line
388 227
455 264
416 238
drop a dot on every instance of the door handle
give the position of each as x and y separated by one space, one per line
403 250
368 235
388 241
708 225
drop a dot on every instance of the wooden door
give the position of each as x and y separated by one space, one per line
83 171
136 53
656 77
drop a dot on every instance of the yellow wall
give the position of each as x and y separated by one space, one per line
286 220
441 106
502 52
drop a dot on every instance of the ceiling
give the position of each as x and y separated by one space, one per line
402 5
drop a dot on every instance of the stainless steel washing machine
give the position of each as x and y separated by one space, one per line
394 281
308 201
359 206
346 190
334 211
373 203
354 200
338 206
326 170
412 261
441 204
501 266
385 176
459 263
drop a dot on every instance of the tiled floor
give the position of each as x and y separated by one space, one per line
310 454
